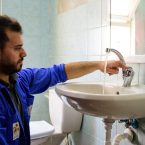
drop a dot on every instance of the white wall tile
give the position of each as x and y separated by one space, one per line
105 12
141 74
94 13
94 41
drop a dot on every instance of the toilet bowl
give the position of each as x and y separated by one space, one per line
39 131
64 120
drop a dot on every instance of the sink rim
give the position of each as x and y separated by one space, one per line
62 90
107 106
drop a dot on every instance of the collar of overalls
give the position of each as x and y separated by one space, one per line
13 79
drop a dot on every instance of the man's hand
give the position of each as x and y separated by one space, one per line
112 67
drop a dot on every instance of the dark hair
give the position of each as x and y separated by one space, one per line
8 23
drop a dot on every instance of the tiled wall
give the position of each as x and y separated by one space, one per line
80 33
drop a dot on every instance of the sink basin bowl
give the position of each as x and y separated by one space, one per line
106 101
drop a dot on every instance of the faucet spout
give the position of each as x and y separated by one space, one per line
126 73
120 56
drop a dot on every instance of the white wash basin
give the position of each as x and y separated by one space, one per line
115 102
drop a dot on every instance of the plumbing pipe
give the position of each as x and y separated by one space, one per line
108 126
128 134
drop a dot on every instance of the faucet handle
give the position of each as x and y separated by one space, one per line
128 72
127 76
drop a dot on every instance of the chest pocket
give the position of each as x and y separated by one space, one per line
13 129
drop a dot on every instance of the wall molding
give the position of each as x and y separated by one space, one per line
66 5
135 59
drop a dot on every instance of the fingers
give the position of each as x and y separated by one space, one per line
120 65
112 71
117 64
113 67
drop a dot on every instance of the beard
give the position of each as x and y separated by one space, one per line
10 68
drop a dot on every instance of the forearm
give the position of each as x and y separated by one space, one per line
78 69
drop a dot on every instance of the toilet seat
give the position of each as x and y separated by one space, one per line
40 129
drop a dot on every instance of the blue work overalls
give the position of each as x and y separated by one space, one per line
14 131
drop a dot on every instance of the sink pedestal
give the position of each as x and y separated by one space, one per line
108 126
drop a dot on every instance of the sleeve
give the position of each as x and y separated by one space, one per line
41 79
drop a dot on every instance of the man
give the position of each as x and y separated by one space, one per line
17 85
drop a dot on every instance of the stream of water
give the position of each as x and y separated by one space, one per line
104 79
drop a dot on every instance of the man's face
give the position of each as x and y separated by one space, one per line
11 57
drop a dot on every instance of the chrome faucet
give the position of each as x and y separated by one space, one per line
127 73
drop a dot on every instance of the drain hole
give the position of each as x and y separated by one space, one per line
117 93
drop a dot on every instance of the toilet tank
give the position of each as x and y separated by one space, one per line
64 118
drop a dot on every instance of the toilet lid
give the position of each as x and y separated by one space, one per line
39 129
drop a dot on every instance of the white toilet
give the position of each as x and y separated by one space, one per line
64 120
